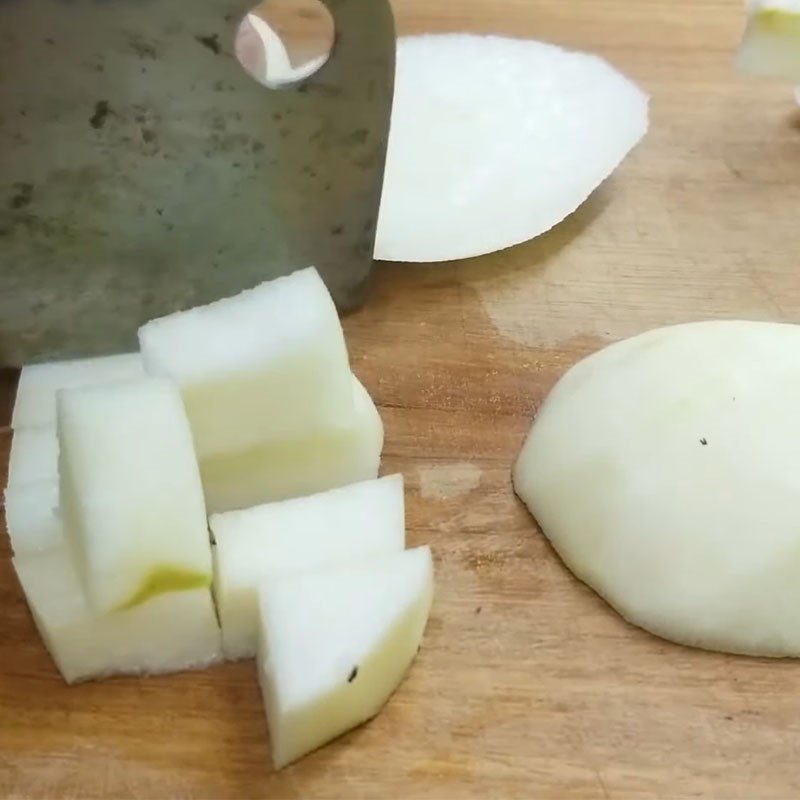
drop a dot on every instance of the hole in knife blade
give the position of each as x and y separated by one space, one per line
282 42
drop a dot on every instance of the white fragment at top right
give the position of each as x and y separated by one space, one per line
495 140
771 42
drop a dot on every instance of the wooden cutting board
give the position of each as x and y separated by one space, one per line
528 685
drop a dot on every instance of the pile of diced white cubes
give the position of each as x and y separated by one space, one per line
216 496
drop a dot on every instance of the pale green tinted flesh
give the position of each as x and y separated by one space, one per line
166 579
777 21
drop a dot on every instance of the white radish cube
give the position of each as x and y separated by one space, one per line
36 392
34 455
259 545
131 497
268 364
771 42
32 516
328 456
334 645
170 632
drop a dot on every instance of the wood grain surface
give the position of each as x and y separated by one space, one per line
528 685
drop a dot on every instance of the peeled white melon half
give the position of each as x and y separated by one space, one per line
32 516
323 457
771 42
265 365
665 470
170 632
495 140
260 544
131 497
36 392
34 455
334 645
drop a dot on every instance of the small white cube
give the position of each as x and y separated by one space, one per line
131 497
323 458
268 364
334 645
32 516
34 455
170 632
260 544
36 392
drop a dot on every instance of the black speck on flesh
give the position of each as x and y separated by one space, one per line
704 441
353 673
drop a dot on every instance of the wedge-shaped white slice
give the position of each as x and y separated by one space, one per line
268 364
334 645
34 455
131 497
32 516
494 140
36 393
771 42
171 632
259 545
328 456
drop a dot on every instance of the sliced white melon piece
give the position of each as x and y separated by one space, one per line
771 42
36 392
334 645
170 632
260 544
324 457
32 516
495 140
265 365
131 497
665 470
34 455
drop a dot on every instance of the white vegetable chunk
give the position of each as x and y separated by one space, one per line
771 42
334 645
265 365
259 545
321 458
170 632
32 516
34 455
495 140
665 470
35 404
131 497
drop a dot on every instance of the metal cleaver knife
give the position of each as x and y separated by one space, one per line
142 170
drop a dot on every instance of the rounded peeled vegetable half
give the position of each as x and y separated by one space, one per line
665 470
495 140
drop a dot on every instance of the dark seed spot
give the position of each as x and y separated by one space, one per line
336 230
101 111
49 41
478 609
352 676
211 42
160 212
704 441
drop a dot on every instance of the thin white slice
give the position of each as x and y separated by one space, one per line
325 457
266 365
495 140
258 545
34 455
170 632
334 645
665 470
36 392
131 497
771 42
32 516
